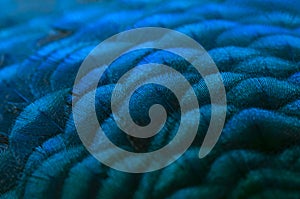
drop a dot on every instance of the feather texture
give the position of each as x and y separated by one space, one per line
255 45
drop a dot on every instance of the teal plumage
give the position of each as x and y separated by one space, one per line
254 43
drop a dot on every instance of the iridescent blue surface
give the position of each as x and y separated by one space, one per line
254 43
